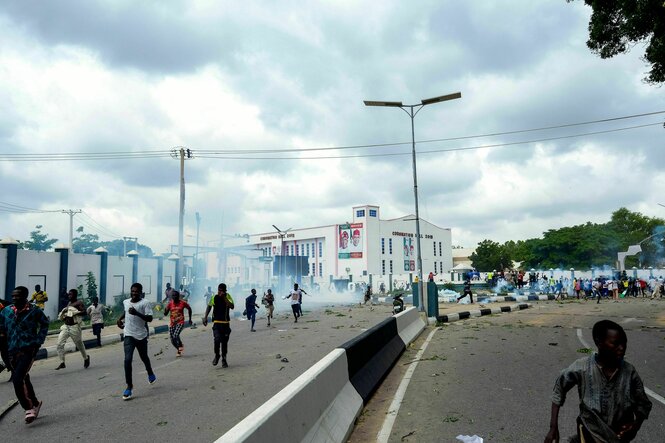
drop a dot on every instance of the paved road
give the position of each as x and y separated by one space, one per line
493 376
192 400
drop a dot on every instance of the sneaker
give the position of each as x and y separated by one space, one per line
253 330
181 350
224 363
152 378
86 362
61 366
215 360
127 394
30 415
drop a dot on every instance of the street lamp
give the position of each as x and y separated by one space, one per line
412 111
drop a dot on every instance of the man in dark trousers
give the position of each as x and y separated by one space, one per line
467 291
25 327
220 305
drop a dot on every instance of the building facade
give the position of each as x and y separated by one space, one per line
364 245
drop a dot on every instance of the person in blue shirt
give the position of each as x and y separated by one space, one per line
250 307
25 327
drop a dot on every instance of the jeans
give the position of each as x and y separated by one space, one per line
21 363
130 343
221 332
251 315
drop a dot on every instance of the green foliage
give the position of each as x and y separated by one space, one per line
581 246
91 287
616 26
490 255
38 241
85 243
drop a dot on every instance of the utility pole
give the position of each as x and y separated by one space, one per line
124 244
281 234
181 152
71 213
196 254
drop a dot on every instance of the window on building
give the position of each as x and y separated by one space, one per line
383 246
320 269
313 253
307 249
320 249
372 212
390 246
313 268
383 267
291 250
360 213
440 254
391 266
434 244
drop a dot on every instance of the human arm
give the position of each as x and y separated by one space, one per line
205 316
167 308
121 321
553 434
229 301
43 327
642 406
146 315
189 311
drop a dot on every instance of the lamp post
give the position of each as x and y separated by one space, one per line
412 111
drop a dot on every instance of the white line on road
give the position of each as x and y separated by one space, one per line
388 423
649 392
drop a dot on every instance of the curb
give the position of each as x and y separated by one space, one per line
481 312
323 403
52 351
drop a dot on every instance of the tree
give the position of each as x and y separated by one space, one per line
490 255
617 25
85 243
38 241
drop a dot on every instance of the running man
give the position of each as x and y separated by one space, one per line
72 316
176 308
295 296
96 313
220 305
135 319
269 302
25 327
613 403
250 307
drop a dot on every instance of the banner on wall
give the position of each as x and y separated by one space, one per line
409 255
350 241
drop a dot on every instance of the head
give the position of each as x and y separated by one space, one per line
269 291
72 295
209 288
344 240
253 291
611 340
38 288
355 239
136 292
221 288
95 300
20 296
175 296
168 285
295 286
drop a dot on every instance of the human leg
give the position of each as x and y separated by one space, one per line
75 334
142 347
252 317
172 335
226 333
129 345
4 354
22 362
294 308
62 339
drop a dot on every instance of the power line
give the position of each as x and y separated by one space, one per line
107 231
144 154
464 148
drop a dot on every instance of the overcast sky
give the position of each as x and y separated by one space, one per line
118 76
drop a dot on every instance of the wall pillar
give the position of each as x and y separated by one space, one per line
103 273
62 281
160 277
135 265
11 246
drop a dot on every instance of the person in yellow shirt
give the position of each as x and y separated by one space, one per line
39 297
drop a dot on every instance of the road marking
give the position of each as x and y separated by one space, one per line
649 392
386 429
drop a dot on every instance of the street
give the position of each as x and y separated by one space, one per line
493 376
191 400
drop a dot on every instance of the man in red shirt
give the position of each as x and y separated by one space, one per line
176 308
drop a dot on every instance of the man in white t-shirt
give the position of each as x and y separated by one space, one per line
137 315
295 296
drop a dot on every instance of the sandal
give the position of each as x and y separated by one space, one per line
30 415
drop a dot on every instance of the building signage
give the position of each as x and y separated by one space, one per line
276 236
409 254
408 234
350 237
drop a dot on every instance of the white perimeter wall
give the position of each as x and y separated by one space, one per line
168 275
147 276
3 271
78 268
42 268
119 277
